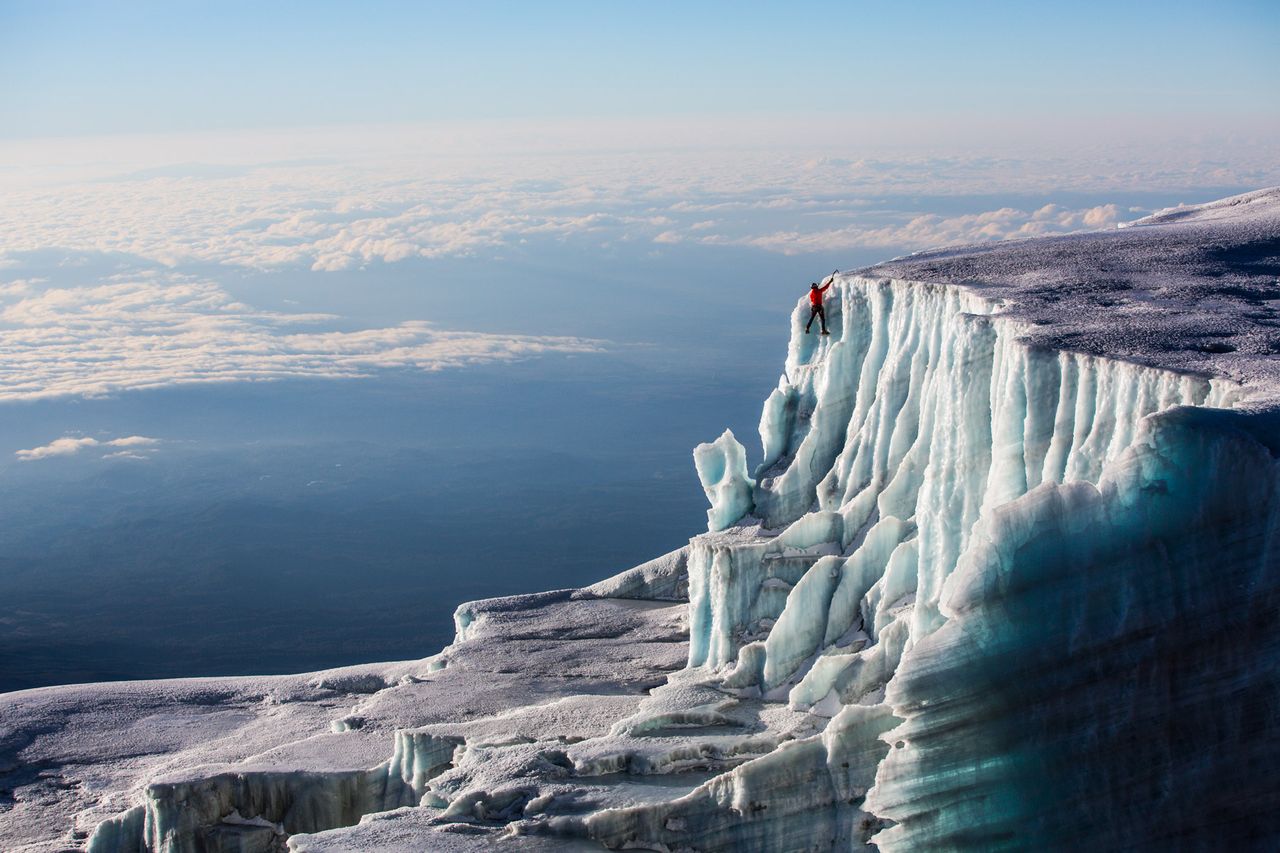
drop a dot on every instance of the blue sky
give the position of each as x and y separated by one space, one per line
93 68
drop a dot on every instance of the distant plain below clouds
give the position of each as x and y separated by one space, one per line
439 197
128 447
155 329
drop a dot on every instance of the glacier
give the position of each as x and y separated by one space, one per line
1007 577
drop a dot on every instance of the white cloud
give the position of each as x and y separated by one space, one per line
428 197
156 330
58 447
68 446
1102 215
133 441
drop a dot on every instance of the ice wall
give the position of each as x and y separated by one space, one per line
916 416
202 810
1035 561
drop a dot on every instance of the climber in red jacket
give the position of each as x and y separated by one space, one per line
815 304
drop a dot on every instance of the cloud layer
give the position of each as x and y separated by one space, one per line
195 207
436 197
158 329
68 446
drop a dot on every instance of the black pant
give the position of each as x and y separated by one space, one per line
816 311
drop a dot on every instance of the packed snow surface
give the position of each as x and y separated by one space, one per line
1192 289
1007 578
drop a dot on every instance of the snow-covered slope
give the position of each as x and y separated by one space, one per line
1007 578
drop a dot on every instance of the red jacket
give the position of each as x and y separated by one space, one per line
815 295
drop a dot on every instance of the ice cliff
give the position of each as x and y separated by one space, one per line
1001 559
1007 577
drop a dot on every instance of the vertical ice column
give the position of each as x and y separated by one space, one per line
420 756
722 470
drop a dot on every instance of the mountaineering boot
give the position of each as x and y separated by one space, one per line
825 332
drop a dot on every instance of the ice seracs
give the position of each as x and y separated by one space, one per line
722 470
1005 578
